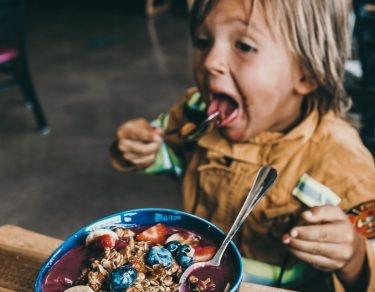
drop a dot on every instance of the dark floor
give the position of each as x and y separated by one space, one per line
92 71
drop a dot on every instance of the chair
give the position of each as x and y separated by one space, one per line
13 57
365 34
190 4
363 90
156 7
364 104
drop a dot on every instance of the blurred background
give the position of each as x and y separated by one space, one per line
72 71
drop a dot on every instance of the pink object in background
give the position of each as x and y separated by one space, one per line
7 54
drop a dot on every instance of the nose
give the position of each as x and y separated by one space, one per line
215 61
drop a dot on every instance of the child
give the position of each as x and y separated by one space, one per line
274 70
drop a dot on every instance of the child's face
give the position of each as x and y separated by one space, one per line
246 72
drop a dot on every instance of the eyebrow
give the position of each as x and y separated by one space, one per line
254 28
252 25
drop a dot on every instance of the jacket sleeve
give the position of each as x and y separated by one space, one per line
370 266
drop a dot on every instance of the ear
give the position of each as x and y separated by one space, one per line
304 85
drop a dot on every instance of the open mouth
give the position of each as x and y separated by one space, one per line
226 106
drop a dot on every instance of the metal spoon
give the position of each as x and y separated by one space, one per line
197 131
265 178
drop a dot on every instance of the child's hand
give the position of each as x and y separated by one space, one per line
139 142
328 242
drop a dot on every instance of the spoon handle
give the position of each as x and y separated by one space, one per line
197 131
266 176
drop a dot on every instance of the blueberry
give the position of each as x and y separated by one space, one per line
186 249
173 246
183 260
159 256
184 255
122 278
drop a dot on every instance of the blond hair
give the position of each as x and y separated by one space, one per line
317 34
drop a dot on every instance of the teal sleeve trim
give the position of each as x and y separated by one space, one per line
166 162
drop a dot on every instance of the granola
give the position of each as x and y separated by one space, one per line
197 285
135 260
149 278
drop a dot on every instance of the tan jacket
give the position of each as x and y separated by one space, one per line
220 173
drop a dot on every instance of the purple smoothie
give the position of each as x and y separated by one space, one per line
220 276
67 270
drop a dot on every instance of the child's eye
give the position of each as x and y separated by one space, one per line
201 43
244 47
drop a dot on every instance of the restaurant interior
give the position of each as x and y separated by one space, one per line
93 66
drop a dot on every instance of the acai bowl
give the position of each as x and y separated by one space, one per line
140 250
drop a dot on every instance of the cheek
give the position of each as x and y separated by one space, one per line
265 87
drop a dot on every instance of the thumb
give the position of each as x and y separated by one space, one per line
323 214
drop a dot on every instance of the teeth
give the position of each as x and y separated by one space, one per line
100 232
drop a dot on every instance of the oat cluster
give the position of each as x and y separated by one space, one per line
197 285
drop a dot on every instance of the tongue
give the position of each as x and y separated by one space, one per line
223 104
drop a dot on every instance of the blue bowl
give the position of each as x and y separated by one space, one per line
145 217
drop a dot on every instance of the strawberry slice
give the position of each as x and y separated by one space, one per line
155 234
107 240
204 253
102 238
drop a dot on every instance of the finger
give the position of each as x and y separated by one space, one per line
139 130
330 250
144 161
317 261
334 233
144 135
138 148
326 213
132 156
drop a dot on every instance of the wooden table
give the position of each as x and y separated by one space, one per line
22 252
